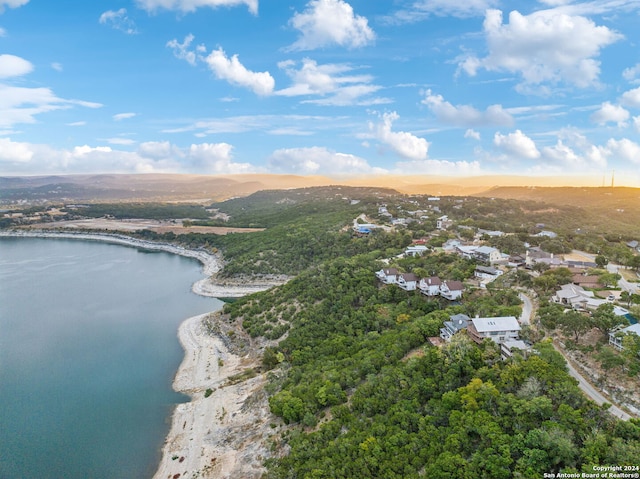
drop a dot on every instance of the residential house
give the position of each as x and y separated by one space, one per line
416 250
456 323
387 275
443 223
499 329
581 264
407 281
587 281
615 336
535 255
487 272
451 290
577 298
508 348
430 286
490 233
546 234
488 254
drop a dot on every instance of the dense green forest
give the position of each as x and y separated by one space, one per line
366 395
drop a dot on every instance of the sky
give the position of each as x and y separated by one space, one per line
340 88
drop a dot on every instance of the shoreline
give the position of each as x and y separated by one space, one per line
225 434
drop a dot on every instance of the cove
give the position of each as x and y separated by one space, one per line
88 350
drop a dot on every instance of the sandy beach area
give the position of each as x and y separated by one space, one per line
225 434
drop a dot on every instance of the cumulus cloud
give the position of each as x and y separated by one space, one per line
22 105
528 45
319 161
631 98
118 20
516 144
188 6
224 68
12 4
161 157
123 116
466 115
401 142
330 22
13 66
472 134
636 123
231 70
609 113
632 74
3 32
624 149
335 82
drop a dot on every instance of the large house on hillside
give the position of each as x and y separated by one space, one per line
407 281
387 275
615 336
456 323
487 254
430 286
499 329
451 290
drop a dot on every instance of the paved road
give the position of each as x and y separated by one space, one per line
592 392
612 268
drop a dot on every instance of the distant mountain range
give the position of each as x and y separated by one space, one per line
202 188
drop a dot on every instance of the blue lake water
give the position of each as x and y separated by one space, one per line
88 351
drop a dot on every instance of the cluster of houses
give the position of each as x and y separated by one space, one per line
433 286
502 330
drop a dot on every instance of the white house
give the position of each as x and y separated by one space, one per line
407 281
416 250
489 254
443 222
451 290
499 329
487 272
430 286
387 275
615 336
508 347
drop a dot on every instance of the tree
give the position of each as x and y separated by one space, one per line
605 319
575 323
609 280
601 261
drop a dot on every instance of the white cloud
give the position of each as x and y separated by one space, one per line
472 134
330 22
123 116
609 113
188 6
161 157
529 45
14 152
624 149
120 141
516 144
231 70
319 161
57 66
181 50
466 115
13 66
12 4
119 20
77 123
22 105
632 74
636 123
422 9
631 98
3 32
403 143
333 81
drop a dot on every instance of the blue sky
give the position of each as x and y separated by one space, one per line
321 87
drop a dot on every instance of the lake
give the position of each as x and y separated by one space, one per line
88 351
